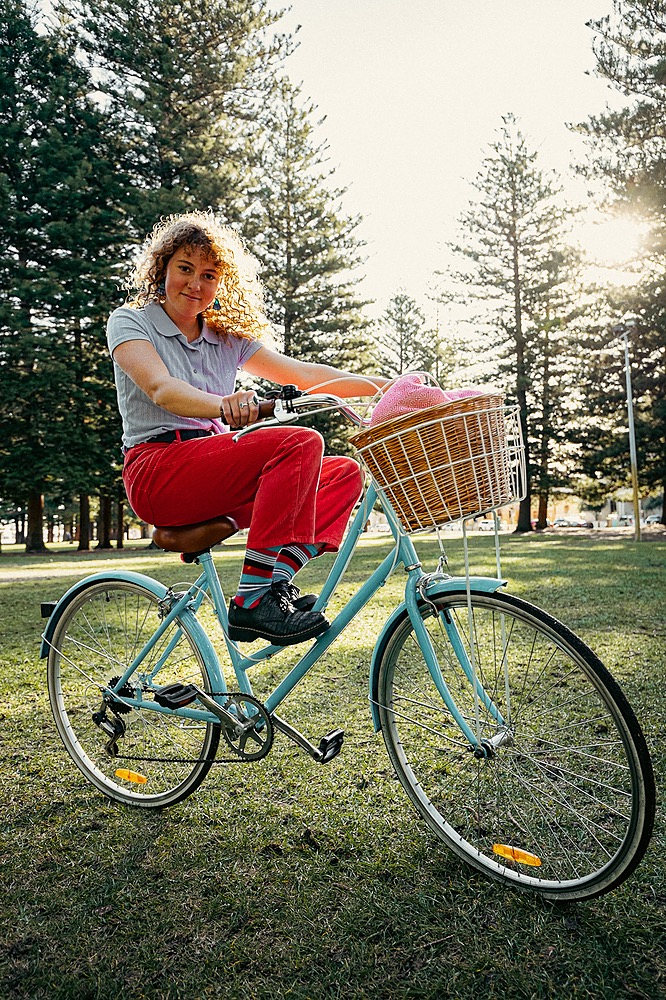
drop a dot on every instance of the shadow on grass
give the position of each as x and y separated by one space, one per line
286 879
321 891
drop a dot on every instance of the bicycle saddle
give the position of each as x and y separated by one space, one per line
193 539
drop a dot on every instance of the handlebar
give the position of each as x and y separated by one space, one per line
266 409
291 403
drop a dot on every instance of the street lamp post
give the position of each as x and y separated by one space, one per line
623 330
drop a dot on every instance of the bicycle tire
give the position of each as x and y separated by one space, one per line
565 806
99 634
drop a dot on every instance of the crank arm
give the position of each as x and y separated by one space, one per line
228 719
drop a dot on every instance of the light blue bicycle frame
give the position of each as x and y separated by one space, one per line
419 587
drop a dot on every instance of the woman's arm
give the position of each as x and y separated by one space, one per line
275 367
142 363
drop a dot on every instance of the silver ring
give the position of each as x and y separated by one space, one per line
254 399
241 406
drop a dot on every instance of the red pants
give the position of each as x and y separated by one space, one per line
273 481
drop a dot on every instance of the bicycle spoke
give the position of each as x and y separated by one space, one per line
560 784
97 639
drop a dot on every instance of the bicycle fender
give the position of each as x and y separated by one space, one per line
434 589
145 581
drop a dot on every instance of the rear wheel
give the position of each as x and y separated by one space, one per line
563 802
161 757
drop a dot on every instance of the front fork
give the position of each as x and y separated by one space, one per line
481 746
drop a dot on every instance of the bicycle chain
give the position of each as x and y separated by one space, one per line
185 760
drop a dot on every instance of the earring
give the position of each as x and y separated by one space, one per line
217 305
161 290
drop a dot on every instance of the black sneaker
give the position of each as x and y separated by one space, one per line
293 595
276 620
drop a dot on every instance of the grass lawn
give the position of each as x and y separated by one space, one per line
289 879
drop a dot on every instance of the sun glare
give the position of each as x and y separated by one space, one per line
612 242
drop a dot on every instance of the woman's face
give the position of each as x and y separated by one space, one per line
190 283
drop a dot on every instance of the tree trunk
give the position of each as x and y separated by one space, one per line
525 508
35 540
544 448
120 514
84 523
104 522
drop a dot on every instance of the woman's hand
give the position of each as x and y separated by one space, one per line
240 408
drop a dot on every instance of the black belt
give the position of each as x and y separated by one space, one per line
170 436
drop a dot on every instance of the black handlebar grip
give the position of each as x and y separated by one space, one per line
266 408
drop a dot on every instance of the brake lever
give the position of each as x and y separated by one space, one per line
281 415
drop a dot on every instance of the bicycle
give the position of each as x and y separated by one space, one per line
509 736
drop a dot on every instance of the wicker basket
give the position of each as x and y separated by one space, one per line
447 462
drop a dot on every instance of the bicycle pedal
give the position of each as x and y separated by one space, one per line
175 695
331 745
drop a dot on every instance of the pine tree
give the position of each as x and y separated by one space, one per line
188 80
554 336
628 151
601 428
306 243
407 343
401 336
519 264
58 229
181 84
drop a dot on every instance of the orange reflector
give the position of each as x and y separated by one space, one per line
515 854
138 779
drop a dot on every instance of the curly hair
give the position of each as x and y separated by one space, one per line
238 309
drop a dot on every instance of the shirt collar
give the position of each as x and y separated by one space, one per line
166 326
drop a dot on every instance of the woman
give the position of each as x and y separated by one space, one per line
196 318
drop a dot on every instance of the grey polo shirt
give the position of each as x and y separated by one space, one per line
209 363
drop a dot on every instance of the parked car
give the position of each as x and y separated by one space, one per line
486 524
653 519
572 522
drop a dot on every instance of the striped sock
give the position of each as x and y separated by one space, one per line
292 558
256 576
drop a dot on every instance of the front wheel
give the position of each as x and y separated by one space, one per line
159 757
562 799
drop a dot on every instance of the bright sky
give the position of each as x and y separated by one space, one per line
414 91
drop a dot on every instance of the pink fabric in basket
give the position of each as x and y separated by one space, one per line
409 393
